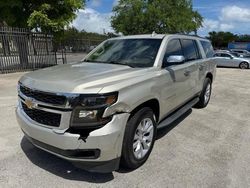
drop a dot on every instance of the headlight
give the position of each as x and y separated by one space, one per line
88 110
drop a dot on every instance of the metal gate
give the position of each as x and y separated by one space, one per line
22 50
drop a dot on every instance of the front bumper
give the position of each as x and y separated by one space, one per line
106 140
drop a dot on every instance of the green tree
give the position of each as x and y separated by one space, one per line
243 38
72 34
14 13
221 39
46 15
161 16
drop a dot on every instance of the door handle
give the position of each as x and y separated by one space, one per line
187 72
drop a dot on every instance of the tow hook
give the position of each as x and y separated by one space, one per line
83 138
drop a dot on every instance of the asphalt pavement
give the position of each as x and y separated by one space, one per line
205 148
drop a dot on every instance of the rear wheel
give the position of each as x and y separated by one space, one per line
138 139
205 94
244 65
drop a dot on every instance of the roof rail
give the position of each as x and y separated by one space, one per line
192 35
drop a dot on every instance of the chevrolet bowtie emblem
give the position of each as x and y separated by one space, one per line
29 103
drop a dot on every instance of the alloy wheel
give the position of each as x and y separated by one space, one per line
207 93
143 138
244 65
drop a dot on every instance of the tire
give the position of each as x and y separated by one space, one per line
244 65
132 145
205 95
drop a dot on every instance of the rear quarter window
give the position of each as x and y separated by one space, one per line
208 48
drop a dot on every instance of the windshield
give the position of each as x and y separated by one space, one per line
129 52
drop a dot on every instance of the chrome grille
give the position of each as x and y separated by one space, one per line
43 96
45 108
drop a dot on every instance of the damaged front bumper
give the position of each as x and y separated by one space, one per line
99 152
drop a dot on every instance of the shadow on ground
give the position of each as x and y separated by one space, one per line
60 167
65 169
164 131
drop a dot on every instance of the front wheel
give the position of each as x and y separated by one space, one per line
205 95
138 139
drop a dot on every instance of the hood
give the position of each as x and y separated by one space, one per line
80 77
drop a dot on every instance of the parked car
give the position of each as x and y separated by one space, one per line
103 112
227 51
240 51
243 53
236 54
225 59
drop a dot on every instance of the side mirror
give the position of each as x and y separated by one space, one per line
175 59
231 57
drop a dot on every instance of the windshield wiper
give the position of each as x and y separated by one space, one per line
109 62
93 61
119 63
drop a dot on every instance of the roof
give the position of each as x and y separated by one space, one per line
157 36
146 36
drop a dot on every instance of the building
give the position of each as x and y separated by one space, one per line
239 45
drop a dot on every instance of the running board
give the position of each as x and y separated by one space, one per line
174 116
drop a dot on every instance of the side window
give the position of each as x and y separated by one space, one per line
216 55
173 48
237 51
197 49
208 48
225 55
189 49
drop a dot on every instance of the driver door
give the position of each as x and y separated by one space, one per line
175 78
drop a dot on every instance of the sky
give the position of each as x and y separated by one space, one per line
218 15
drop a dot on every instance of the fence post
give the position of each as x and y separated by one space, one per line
34 50
65 54
55 53
1 64
62 55
46 43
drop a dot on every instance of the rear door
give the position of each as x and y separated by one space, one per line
192 60
207 63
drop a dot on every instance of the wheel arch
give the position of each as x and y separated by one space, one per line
210 76
151 103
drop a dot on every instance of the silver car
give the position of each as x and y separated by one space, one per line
243 53
225 59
